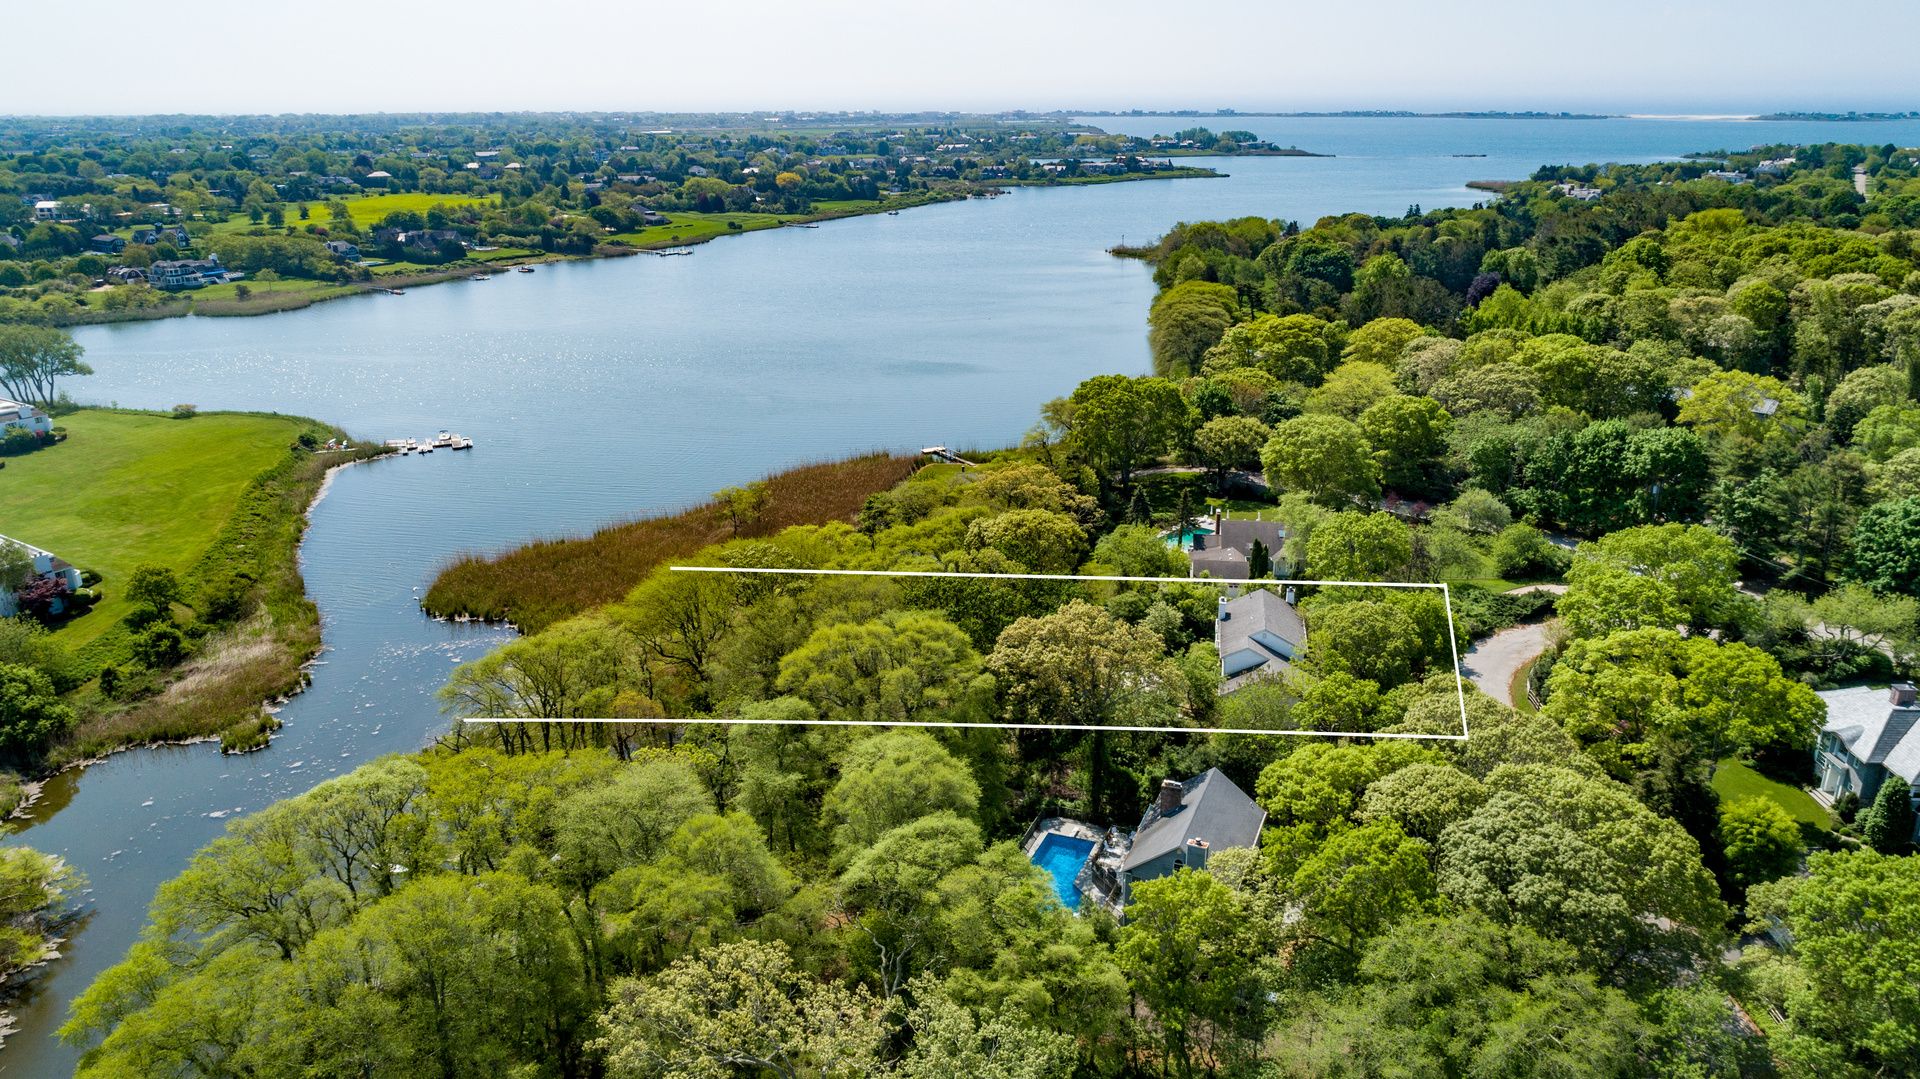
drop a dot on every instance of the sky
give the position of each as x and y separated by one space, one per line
244 56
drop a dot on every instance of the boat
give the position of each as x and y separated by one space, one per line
893 213
460 442
444 438
523 269
425 447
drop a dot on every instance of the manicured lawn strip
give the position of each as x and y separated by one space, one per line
131 487
551 580
1733 779
1517 689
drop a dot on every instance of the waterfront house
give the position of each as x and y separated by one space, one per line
344 250
107 244
1870 734
43 565
17 416
1257 634
173 274
46 210
126 275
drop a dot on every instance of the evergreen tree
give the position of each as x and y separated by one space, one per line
1888 825
1259 562
1183 512
1139 510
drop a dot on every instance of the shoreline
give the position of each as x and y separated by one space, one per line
286 622
271 302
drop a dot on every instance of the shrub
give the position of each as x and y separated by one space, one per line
159 646
224 599
17 442
1521 550
185 412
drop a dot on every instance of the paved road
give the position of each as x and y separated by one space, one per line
1493 661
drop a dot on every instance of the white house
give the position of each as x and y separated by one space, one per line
1257 634
45 564
1869 735
46 210
14 414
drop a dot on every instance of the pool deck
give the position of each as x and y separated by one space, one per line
1099 875
1065 826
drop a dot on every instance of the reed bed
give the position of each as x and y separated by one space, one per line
548 581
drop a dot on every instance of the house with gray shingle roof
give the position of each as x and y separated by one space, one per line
1869 734
1257 634
1226 553
1186 823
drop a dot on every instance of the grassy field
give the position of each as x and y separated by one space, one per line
692 228
551 580
1733 779
127 488
367 210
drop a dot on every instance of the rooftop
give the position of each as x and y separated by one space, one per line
1211 808
1874 730
1249 614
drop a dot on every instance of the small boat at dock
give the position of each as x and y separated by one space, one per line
460 442
444 438
523 269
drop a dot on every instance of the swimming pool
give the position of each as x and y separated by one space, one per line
1184 540
1062 856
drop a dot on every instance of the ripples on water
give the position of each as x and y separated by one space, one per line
599 391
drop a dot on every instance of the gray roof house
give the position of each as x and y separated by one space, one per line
1869 734
1186 823
1258 634
1225 555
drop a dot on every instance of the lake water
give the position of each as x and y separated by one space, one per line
604 390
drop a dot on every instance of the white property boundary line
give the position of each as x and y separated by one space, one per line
1446 596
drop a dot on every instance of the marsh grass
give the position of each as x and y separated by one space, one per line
548 581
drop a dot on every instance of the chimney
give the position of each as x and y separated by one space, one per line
1292 595
1170 794
1197 853
1220 609
1902 694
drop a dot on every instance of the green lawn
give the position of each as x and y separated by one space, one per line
687 228
1732 779
127 488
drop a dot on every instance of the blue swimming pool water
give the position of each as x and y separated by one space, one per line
1184 540
1062 856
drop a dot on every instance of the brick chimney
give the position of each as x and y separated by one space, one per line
1170 794
1902 694
1197 853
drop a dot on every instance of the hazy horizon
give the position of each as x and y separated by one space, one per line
362 56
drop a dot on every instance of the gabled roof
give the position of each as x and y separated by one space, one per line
1873 730
1253 612
1211 808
